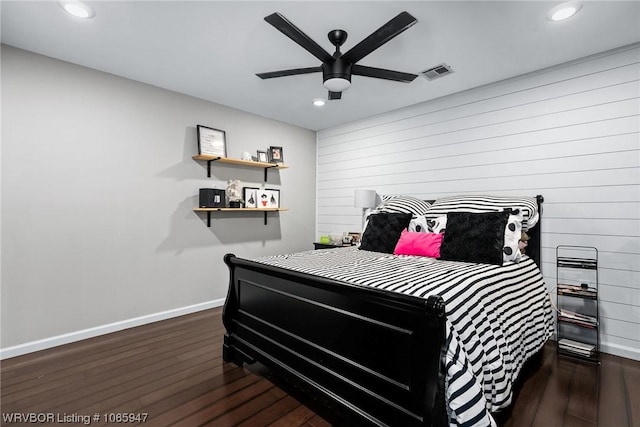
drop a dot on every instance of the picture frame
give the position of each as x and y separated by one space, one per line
211 141
276 155
250 196
269 198
355 237
263 156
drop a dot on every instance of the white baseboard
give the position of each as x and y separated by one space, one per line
30 347
620 350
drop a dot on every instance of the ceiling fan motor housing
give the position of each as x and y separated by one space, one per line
337 69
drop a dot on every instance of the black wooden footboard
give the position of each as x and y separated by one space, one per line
372 356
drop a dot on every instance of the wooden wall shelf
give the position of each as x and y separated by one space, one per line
238 162
265 210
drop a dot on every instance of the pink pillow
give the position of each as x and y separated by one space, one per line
421 244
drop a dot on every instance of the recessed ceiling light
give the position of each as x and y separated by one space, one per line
318 102
564 11
77 9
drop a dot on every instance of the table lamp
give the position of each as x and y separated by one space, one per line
365 199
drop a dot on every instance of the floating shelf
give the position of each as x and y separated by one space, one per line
265 210
237 162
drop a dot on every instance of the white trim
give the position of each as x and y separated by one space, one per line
620 350
30 347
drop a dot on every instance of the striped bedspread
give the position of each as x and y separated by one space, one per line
497 316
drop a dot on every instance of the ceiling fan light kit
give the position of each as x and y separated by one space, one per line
338 68
337 84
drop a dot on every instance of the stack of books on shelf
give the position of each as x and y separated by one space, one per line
578 291
581 319
583 349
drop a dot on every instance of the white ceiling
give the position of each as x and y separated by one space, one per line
212 49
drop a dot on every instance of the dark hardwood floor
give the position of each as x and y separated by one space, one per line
171 373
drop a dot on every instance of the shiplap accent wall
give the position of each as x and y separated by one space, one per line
570 133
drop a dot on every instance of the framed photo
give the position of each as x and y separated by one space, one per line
269 198
250 196
212 141
276 155
355 237
263 156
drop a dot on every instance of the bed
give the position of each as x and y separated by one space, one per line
398 340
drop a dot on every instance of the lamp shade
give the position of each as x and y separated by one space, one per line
365 198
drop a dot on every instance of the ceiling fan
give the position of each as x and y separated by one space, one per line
338 68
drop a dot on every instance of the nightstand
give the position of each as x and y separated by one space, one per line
318 245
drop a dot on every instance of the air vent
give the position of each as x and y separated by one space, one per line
436 72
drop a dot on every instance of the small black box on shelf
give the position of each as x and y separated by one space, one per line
212 198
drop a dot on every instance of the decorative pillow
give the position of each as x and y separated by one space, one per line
383 231
420 224
479 203
404 204
474 237
421 244
512 234
437 225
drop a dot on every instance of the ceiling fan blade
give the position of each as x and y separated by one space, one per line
335 95
294 33
381 73
379 37
292 72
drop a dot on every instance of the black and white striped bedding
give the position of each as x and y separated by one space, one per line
497 316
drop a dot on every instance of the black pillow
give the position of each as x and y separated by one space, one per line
474 237
383 231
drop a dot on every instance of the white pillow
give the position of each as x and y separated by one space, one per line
512 234
438 225
420 224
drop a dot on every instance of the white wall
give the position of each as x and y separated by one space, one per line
570 133
98 187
